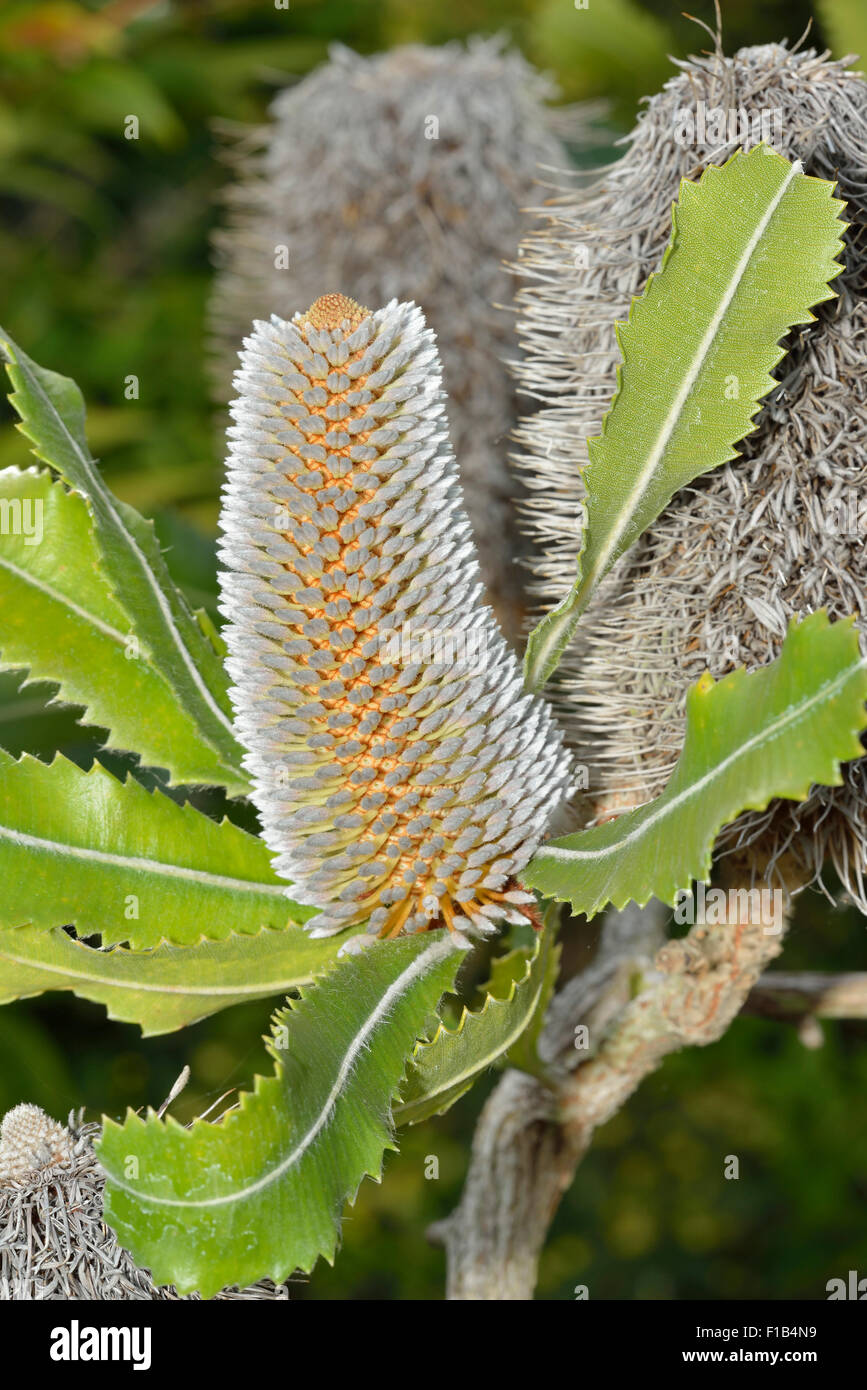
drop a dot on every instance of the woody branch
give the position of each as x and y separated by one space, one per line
533 1134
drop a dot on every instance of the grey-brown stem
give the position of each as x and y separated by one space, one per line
794 996
531 1136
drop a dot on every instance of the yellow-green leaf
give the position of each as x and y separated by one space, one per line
753 248
260 1193
60 621
83 849
444 1068
167 987
775 732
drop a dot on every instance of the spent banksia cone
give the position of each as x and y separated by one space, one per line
401 776
403 176
778 531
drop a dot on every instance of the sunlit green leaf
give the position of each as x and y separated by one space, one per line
260 1192
59 621
52 416
752 250
168 987
442 1069
775 732
83 849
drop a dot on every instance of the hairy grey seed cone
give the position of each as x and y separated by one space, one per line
54 1243
779 531
403 176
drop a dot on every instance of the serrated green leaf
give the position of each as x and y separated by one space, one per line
775 732
753 248
83 849
59 621
509 970
52 416
444 1068
168 987
260 1193
524 1054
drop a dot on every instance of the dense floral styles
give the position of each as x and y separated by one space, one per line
404 175
779 531
402 777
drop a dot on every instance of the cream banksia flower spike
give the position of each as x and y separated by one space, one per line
402 777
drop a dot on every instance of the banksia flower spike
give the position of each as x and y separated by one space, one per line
404 175
402 777
780 530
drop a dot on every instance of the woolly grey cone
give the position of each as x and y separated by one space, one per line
402 176
53 1241
777 532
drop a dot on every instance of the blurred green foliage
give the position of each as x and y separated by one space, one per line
104 244
844 23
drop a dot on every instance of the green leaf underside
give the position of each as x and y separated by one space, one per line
444 1068
83 849
51 410
750 738
753 248
166 988
59 621
260 1193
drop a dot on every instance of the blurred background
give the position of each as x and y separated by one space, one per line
104 249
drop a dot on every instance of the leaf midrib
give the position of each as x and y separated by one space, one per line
136 865
27 577
790 716
434 953
100 496
137 987
669 425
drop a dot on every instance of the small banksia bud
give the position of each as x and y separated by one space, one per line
54 1243
29 1142
402 777
778 531
404 175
